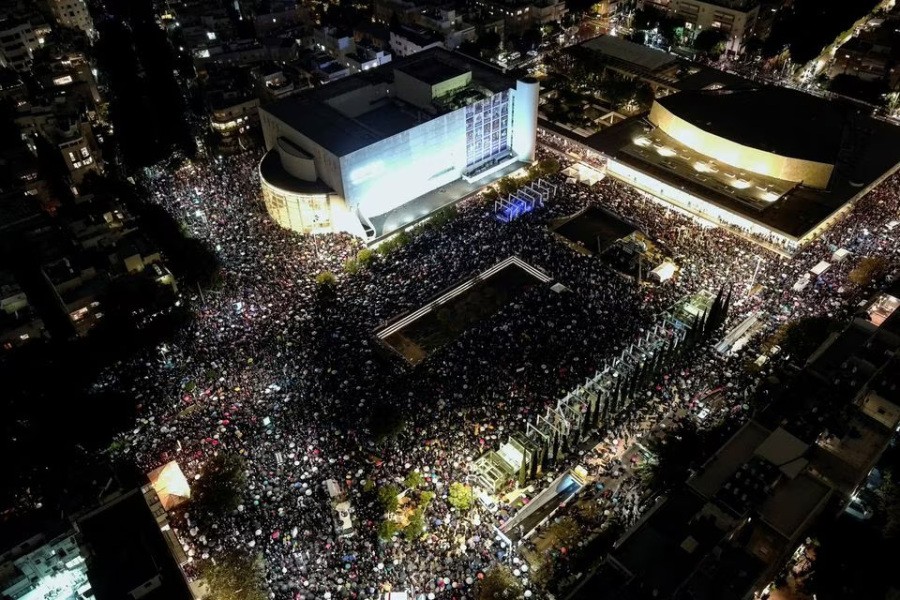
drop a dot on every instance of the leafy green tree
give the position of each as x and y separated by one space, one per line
413 480
499 584
868 269
234 577
490 194
387 498
387 529
507 185
461 496
800 338
710 41
415 527
426 498
221 483
888 499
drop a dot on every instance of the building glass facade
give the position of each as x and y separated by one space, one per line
307 213
488 131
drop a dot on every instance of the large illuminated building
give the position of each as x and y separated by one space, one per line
376 151
776 163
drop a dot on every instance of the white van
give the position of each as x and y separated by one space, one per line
334 489
340 509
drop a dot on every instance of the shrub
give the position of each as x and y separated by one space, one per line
351 266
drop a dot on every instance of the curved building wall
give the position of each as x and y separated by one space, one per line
295 161
809 173
303 213
525 117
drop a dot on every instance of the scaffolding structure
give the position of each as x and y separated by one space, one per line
524 200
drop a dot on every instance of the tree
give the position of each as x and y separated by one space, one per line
888 498
488 42
549 166
674 458
800 338
413 480
531 38
868 269
415 527
221 483
499 584
326 280
490 194
387 498
461 496
710 41
507 185
234 577
387 529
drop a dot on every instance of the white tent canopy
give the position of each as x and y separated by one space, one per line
170 485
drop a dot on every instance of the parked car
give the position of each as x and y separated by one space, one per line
858 510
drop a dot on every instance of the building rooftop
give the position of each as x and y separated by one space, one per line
766 118
871 150
636 54
432 72
127 551
273 172
313 113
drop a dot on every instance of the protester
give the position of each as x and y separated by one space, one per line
272 369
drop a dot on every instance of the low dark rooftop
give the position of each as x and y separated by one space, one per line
127 549
432 72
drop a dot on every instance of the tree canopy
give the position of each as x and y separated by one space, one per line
461 496
221 483
499 584
234 577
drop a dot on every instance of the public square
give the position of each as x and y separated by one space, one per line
293 380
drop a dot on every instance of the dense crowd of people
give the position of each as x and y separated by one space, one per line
292 379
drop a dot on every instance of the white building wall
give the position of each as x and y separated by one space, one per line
394 171
327 164
525 115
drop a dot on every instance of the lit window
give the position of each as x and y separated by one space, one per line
85 153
